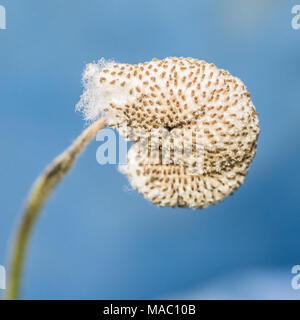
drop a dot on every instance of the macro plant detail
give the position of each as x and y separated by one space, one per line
201 114
39 193
205 107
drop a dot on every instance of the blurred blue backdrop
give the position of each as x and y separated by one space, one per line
96 240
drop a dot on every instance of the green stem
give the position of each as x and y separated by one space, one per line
38 195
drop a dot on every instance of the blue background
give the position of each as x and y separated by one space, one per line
95 239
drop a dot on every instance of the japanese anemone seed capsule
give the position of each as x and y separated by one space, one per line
193 125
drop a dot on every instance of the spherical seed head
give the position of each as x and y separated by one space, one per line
197 106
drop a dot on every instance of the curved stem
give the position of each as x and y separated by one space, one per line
38 195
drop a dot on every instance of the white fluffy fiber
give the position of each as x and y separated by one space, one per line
97 96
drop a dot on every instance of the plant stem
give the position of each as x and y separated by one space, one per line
40 191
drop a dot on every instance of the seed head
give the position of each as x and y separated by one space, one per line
200 114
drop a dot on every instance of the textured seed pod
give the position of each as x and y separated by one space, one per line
173 185
184 104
